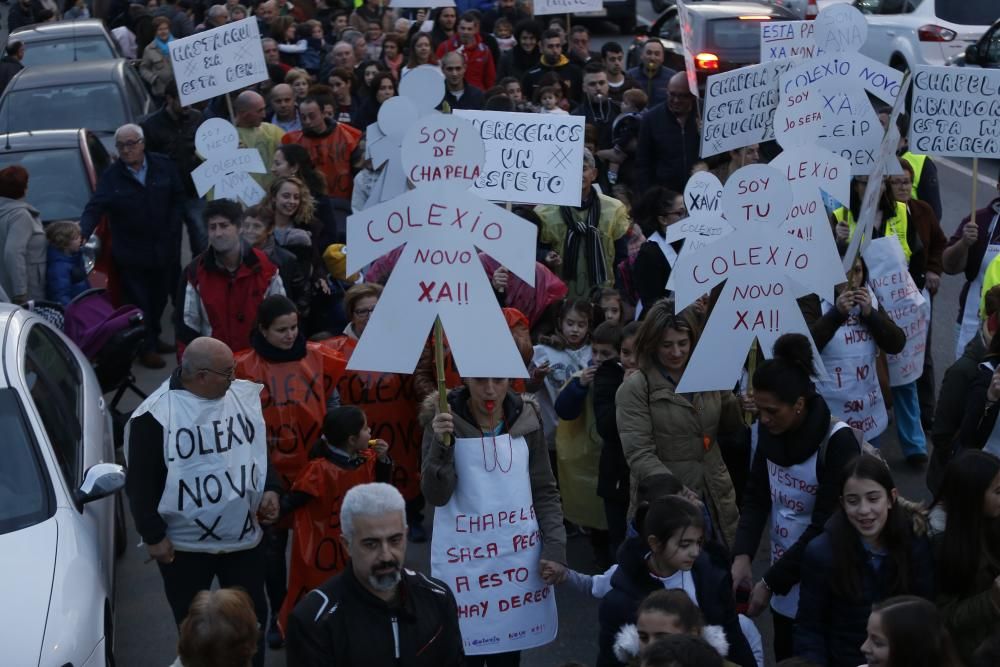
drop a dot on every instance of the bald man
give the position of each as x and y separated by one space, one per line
669 139
263 137
286 115
199 484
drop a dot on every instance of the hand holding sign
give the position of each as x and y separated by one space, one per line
227 167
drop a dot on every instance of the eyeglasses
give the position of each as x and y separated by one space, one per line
363 312
229 375
122 145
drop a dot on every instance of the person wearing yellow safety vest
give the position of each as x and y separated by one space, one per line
925 179
892 219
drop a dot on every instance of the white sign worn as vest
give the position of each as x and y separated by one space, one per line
215 451
487 545
851 389
793 497
904 303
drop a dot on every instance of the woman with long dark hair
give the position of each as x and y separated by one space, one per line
382 87
280 358
868 552
420 52
793 486
906 631
445 19
967 548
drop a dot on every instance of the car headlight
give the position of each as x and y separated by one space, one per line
91 249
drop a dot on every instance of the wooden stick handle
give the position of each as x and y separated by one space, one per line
439 364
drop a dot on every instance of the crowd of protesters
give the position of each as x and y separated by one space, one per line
673 491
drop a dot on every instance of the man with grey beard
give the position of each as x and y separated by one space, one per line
375 612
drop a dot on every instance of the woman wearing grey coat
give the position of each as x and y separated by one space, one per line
22 239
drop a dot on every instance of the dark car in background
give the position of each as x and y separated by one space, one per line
99 95
726 35
65 42
63 168
984 53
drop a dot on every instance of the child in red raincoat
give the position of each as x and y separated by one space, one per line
344 458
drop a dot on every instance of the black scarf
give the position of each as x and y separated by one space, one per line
274 354
588 232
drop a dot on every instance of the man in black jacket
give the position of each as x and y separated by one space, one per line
668 139
11 63
375 612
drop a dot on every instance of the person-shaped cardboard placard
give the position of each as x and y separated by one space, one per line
704 223
764 269
439 273
227 167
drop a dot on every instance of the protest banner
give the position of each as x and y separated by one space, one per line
218 61
764 270
906 306
439 273
739 107
955 112
546 7
530 158
486 548
227 167
851 388
787 39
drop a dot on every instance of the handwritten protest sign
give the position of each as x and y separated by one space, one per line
903 302
487 545
956 112
545 7
840 28
530 158
764 270
851 388
704 224
787 39
439 273
227 167
740 106
218 61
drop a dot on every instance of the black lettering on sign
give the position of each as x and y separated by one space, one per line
248 525
209 531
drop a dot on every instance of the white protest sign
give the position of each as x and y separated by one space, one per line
840 28
684 18
227 167
787 39
704 224
764 269
851 388
545 7
883 164
956 112
530 158
486 547
218 61
739 107
439 273
903 302
815 166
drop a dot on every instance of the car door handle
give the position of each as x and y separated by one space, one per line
890 33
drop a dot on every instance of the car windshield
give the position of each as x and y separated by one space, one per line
58 186
966 12
732 34
95 106
82 49
24 498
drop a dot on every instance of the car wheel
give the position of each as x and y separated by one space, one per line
121 531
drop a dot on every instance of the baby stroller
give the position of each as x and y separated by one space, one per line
110 338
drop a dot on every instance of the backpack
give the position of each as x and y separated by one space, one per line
864 447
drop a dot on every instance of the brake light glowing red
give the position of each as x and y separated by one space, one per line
706 61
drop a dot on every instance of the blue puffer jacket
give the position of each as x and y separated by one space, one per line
65 276
830 628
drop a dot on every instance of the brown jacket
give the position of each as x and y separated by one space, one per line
438 476
663 431
930 233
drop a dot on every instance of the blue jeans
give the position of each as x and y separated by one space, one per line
906 407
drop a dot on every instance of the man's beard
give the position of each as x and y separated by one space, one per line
385 582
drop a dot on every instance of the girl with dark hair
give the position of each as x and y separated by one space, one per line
421 52
907 631
850 335
299 380
294 160
680 651
347 104
382 87
345 457
869 551
664 431
669 554
793 484
964 526
657 209
525 54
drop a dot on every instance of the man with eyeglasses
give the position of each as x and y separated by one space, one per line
143 197
199 483
668 139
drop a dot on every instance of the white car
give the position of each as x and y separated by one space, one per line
58 481
907 33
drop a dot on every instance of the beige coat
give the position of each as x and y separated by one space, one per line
156 69
662 431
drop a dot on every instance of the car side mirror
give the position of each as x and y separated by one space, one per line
972 54
100 481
